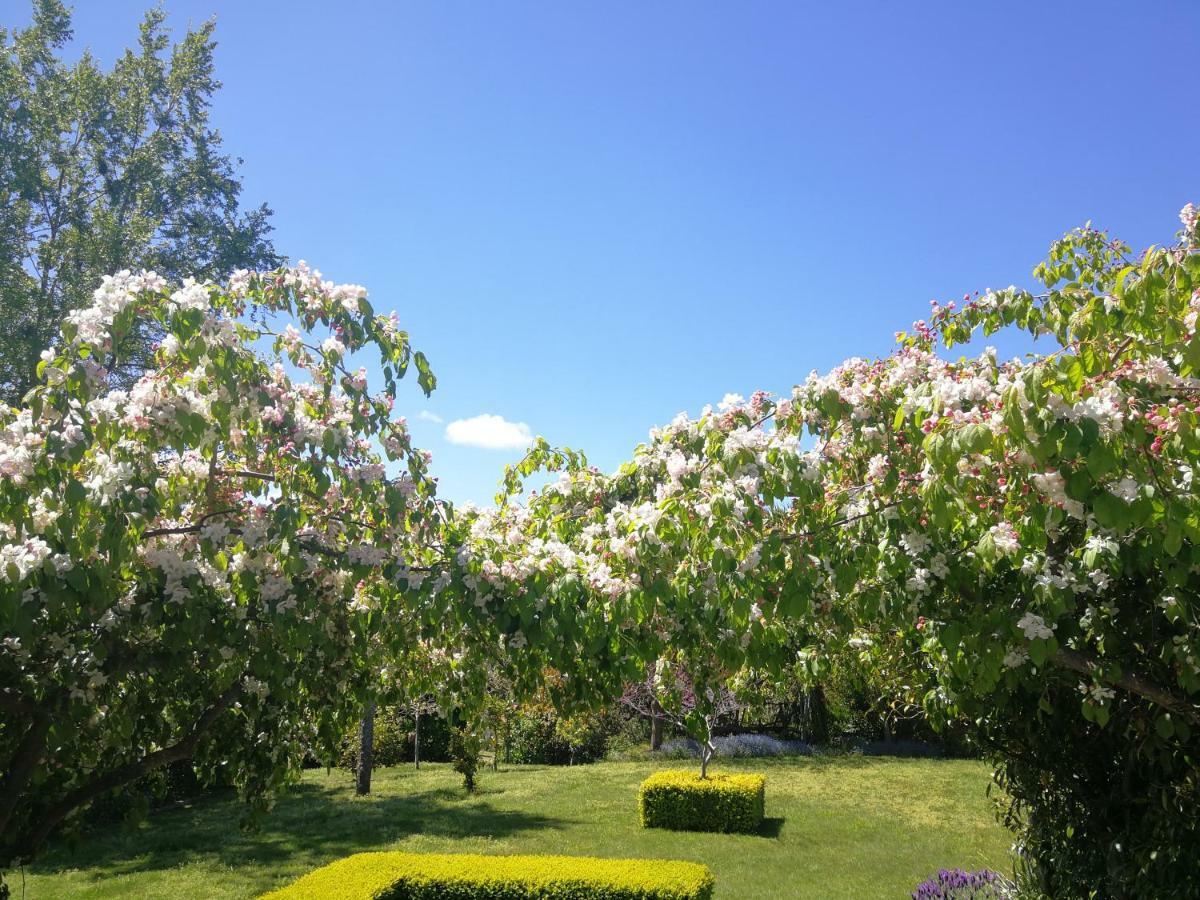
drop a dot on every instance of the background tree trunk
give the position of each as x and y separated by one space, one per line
366 751
656 732
417 738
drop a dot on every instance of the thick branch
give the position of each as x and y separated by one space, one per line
1130 682
122 775
244 473
189 529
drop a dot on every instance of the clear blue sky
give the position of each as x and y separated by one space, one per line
594 215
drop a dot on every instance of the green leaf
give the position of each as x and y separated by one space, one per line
1101 460
425 376
76 492
1173 539
1039 651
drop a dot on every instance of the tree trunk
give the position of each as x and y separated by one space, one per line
657 719
816 716
366 751
417 739
707 750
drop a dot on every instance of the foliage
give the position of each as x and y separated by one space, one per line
957 884
1032 525
394 735
134 802
684 801
540 735
102 171
392 745
465 747
430 876
202 567
434 735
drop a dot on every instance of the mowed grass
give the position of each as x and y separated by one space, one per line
838 827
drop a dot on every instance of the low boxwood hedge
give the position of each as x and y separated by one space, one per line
461 876
686 802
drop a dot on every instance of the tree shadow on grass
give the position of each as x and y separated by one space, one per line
310 821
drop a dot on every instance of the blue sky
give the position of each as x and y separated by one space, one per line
593 216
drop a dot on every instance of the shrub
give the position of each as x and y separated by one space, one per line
544 738
685 801
392 745
452 876
435 737
394 735
464 750
956 884
132 802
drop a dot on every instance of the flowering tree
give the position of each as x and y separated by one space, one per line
656 565
1034 523
215 564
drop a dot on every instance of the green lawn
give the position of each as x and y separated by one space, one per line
850 827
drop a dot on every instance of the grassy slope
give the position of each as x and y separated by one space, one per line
847 827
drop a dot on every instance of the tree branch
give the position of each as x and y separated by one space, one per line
189 529
122 775
1131 682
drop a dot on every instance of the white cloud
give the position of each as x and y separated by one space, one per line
427 416
489 431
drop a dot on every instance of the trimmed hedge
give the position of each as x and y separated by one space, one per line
462 876
686 802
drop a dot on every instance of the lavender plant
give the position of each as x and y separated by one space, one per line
958 884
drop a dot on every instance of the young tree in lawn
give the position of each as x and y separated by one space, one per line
666 694
204 567
108 170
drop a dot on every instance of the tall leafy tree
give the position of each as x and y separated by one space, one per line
107 170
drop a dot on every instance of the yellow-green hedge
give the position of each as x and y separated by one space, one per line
462 876
687 802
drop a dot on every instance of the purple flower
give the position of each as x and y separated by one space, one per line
957 884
